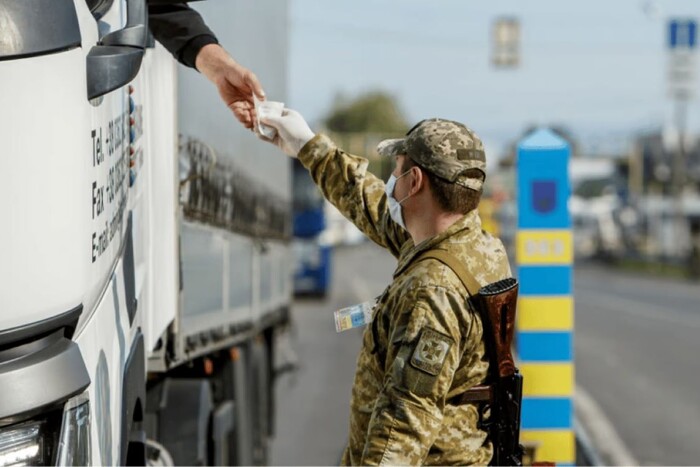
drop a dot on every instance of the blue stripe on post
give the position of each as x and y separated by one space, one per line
545 280
543 184
547 413
545 346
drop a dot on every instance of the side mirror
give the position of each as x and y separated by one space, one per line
117 59
109 68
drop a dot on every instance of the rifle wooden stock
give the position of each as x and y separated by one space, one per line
497 305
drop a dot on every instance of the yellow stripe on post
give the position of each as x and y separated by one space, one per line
548 379
552 445
544 247
545 313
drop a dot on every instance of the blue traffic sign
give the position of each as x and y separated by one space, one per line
682 34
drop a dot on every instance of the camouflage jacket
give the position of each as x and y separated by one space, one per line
424 345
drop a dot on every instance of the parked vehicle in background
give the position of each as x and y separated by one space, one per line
312 248
595 205
662 239
146 257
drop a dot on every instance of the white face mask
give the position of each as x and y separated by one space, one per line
394 205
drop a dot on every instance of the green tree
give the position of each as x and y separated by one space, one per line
372 112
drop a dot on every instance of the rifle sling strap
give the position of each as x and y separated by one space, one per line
477 393
457 267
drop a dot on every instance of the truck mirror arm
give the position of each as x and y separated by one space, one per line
135 33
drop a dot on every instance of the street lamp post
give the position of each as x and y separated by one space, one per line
679 166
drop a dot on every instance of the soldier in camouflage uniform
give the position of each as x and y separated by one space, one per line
424 347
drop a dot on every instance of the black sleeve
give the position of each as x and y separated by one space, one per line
181 30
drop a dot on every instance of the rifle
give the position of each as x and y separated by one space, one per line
496 305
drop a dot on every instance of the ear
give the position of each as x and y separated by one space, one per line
417 181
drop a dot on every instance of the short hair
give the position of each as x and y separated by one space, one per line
451 197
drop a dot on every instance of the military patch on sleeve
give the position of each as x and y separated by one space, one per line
431 351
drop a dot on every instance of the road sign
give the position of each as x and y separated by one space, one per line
682 44
505 51
682 34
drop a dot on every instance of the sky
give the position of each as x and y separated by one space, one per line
597 66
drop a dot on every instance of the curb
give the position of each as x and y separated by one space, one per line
596 435
586 453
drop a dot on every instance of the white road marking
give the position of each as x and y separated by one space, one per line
600 430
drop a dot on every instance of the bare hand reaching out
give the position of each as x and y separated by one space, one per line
236 84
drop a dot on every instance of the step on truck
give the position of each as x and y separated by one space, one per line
145 269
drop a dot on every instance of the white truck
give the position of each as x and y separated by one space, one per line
144 251
594 206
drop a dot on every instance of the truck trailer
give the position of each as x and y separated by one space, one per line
146 263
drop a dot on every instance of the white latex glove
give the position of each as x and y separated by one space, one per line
292 131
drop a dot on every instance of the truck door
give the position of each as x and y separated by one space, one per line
114 58
64 65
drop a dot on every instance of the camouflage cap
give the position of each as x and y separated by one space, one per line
445 148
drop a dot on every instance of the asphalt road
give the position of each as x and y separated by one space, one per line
313 402
637 351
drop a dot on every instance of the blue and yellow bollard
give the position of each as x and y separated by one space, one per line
544 255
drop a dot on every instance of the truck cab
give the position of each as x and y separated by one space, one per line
106 239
